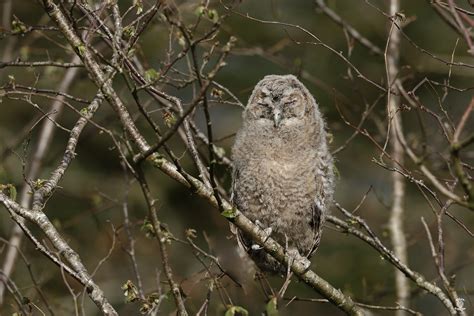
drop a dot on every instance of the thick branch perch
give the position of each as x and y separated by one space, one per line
40 219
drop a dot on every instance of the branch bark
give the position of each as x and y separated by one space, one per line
397 233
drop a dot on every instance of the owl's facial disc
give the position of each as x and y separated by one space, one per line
279 104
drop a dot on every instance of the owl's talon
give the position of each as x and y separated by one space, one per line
256 247
306 264
293 255
267 232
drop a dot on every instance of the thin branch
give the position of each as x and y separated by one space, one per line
350 29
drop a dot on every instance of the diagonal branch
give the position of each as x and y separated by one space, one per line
80 272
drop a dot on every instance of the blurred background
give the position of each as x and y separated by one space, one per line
88 208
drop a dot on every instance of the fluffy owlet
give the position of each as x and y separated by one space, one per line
283 172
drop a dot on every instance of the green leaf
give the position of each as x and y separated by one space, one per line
337 174
169 118
152 75
128 31
181 41
38 183
213 15
18 26
9 189
84 111
191 233
81 49
11 80
219 151
229 213
139 5
200 10
272 307
12 191
157 160
25 52
130 291
236 310
147 227
329 138
131 52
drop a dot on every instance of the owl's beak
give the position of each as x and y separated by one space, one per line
276 118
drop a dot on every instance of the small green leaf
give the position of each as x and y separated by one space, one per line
152 75
229 213
147 227
272 307
84 111
128 31
236 311
9 189
217 93
182 41
219 151
329 138
12 191
149 303
351 222
18 27
145 308
57 223
131 52
166 237
81 49
25 52
157 160
139 5
130 291
191 233
169 118
336 172
228 46
96 200
213 15
200 10
38 183
11 81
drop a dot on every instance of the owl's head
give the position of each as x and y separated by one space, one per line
280 101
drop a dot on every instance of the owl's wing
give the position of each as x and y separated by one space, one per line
322 200
243 242
316 223
234 199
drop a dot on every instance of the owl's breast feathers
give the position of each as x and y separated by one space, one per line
283 194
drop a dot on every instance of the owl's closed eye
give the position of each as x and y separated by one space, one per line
263 110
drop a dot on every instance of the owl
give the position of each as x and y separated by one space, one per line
283 171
